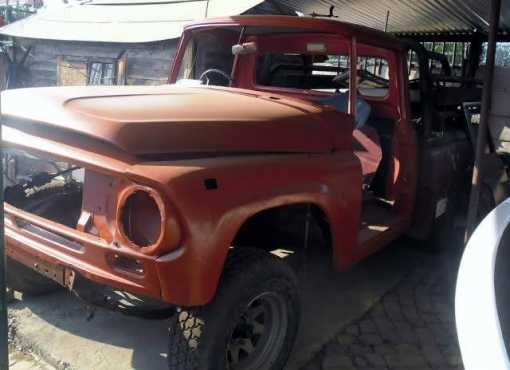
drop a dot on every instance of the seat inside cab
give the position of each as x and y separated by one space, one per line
328 76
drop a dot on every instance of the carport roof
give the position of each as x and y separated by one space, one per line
124 21
411 16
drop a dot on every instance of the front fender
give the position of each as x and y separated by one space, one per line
211 218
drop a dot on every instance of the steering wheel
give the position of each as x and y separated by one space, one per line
342 79
205 79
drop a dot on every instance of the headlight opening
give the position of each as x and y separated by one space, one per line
141 218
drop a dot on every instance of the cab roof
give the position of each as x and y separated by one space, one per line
290 24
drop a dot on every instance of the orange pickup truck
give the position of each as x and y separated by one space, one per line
275 134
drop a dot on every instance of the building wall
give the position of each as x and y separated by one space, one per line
146 64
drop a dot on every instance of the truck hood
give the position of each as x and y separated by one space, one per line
171 119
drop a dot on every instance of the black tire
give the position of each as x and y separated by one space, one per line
209 337
25 280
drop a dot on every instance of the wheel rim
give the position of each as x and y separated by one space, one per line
257 339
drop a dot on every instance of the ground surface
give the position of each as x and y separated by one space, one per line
412 327
393 311
21 360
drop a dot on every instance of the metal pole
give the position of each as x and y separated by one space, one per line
481 143
4 352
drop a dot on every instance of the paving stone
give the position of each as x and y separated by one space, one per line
430 318
337 362
407 349
360 362
334 348
433 355
375 359
406 295
378 313
353 330
393 310
358 349
386 330
370 339
345 339
403 360
442 335
425 336
313 365
384 349
406 332
367 326
454 360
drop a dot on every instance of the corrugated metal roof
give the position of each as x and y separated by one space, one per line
410 16
122 21
155 20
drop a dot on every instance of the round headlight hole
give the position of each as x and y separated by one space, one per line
141 219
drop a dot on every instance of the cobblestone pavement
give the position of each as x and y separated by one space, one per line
412 327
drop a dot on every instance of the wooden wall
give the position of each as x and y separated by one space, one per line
147 64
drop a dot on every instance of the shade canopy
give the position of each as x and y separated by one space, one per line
410 16
134 21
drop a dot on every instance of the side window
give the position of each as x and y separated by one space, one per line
323 72
413 66
373 76
319 72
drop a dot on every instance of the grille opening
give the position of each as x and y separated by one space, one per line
48 188
141 219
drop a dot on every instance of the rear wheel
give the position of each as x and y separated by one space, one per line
250 325
25 280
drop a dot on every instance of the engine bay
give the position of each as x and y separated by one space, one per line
48 188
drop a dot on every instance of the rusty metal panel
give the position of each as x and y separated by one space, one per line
410 16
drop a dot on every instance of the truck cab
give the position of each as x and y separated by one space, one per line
389 109
276 136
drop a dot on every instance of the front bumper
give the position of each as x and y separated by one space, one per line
33 240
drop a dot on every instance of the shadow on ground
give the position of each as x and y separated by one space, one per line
57 325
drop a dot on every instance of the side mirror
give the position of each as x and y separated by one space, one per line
244 49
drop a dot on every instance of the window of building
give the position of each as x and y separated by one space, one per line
75 71
100 73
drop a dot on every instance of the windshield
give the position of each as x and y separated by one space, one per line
208 57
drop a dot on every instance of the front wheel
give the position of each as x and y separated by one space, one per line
250 325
